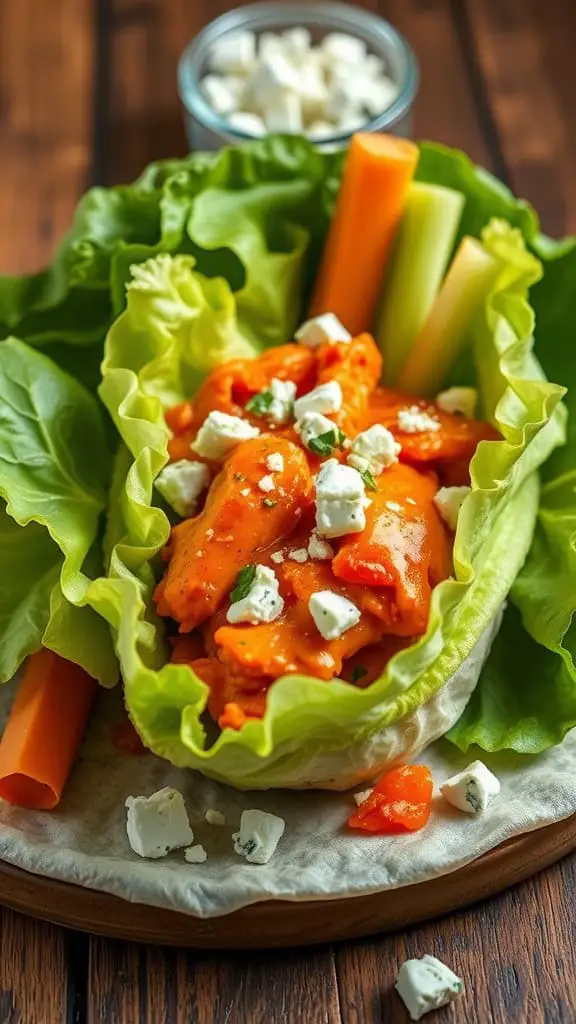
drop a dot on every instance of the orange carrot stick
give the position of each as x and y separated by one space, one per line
378 171
44 730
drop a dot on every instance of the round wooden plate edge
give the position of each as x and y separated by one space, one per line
284 923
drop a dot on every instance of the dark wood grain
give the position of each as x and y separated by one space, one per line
515 954
162 986
33 971
525 48
46 69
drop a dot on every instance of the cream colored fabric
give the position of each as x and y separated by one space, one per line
84 841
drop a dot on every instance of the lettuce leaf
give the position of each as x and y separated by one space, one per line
54 470
255 216
308 722
526 699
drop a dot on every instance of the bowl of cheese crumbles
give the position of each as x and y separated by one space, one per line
322 70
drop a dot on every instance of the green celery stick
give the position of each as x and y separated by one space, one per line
421 253
472 274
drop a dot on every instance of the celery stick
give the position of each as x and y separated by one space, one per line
421 252
471 275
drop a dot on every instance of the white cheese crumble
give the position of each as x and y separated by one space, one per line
449 501
233 53
244 121
340 46
195 854
214 817
318 549
321 330
277 557
245 492
333 614
472 789
263 602
283 113
374 450
325 398
273 78
362 796
220 433
157 824
291 84
275 463
283 395
459 400
222 93
312 425
298 555
259 836
415 420
181 484
426 984
266 484
340 500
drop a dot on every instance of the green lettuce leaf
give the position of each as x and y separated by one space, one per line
255 216
526 698
30 566
306 719
54 469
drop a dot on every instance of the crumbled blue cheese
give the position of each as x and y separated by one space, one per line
282 405
222 92
333 614
340 500
449 501
220 433
318 549
233 53
275 462
459 400
471 790
277 557
325 329
298 555
266 484
195 854
246 122
214 817
374 450
312 425
426 984
326 398
263 602
157 824
362 796
414 420
181 484
259 836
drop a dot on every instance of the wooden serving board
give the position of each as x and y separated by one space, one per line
285 923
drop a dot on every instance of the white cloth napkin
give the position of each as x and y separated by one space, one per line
84 840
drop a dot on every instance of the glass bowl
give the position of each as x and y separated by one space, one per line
207 130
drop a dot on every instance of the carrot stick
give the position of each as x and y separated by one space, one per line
378 171
44 730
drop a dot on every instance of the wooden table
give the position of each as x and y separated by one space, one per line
87 95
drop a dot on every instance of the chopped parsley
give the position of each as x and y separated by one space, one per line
358 672
324 444
268 502
369 481
260 404
243 583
